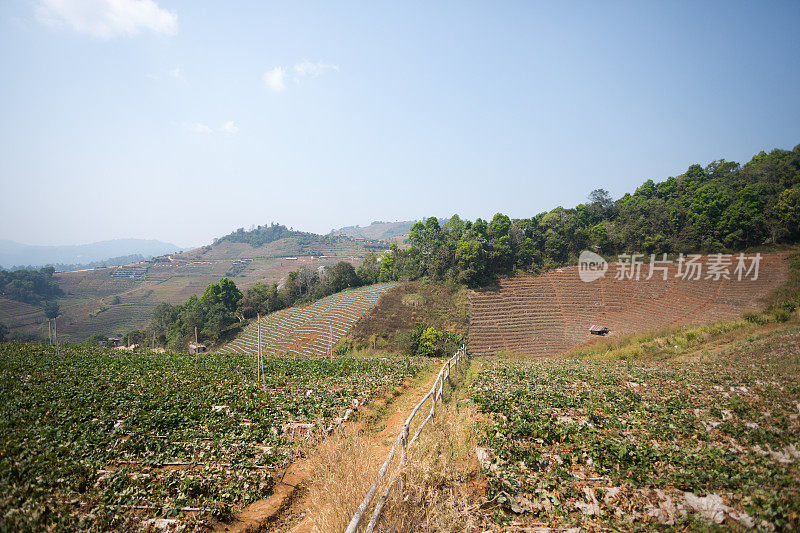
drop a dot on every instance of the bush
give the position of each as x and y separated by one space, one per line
757 318
782 315
96 339
428 344
343 347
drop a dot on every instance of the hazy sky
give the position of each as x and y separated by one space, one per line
182 121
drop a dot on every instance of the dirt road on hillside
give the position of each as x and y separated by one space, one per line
291 507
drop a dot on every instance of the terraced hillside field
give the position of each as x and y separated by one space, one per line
115 300
312 329
548 314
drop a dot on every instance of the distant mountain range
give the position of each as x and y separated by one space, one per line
73 257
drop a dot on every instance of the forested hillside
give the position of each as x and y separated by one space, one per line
720 208
29 286
266 234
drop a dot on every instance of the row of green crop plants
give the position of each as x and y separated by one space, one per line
629 445
95 439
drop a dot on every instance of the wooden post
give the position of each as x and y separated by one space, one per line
261 356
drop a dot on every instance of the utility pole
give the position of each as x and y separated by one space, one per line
261 356
196 347
49 331
55 332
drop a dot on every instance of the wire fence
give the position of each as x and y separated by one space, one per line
403 444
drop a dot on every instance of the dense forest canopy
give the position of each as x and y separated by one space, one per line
30 286
261 235
720 208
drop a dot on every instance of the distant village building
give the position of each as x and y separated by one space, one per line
131 348
197 348
113 342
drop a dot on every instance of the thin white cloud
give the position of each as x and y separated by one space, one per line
229 128
199 127
108 18
276 79
312 70
176 73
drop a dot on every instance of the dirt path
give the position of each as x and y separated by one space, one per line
381 430
286 509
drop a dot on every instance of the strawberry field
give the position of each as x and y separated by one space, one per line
96 439
713 442
311 329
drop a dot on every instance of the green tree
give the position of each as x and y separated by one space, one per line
135 336
787 212
369 271
224 292
96 339
51 310
601 200
260 298
339 277
218 318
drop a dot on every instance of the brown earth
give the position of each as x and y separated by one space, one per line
551 313
439 305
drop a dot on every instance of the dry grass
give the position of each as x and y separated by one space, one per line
342 472
432 493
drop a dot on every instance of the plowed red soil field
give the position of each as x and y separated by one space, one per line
551 313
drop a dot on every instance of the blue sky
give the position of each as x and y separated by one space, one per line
182 121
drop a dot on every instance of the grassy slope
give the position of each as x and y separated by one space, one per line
439 305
